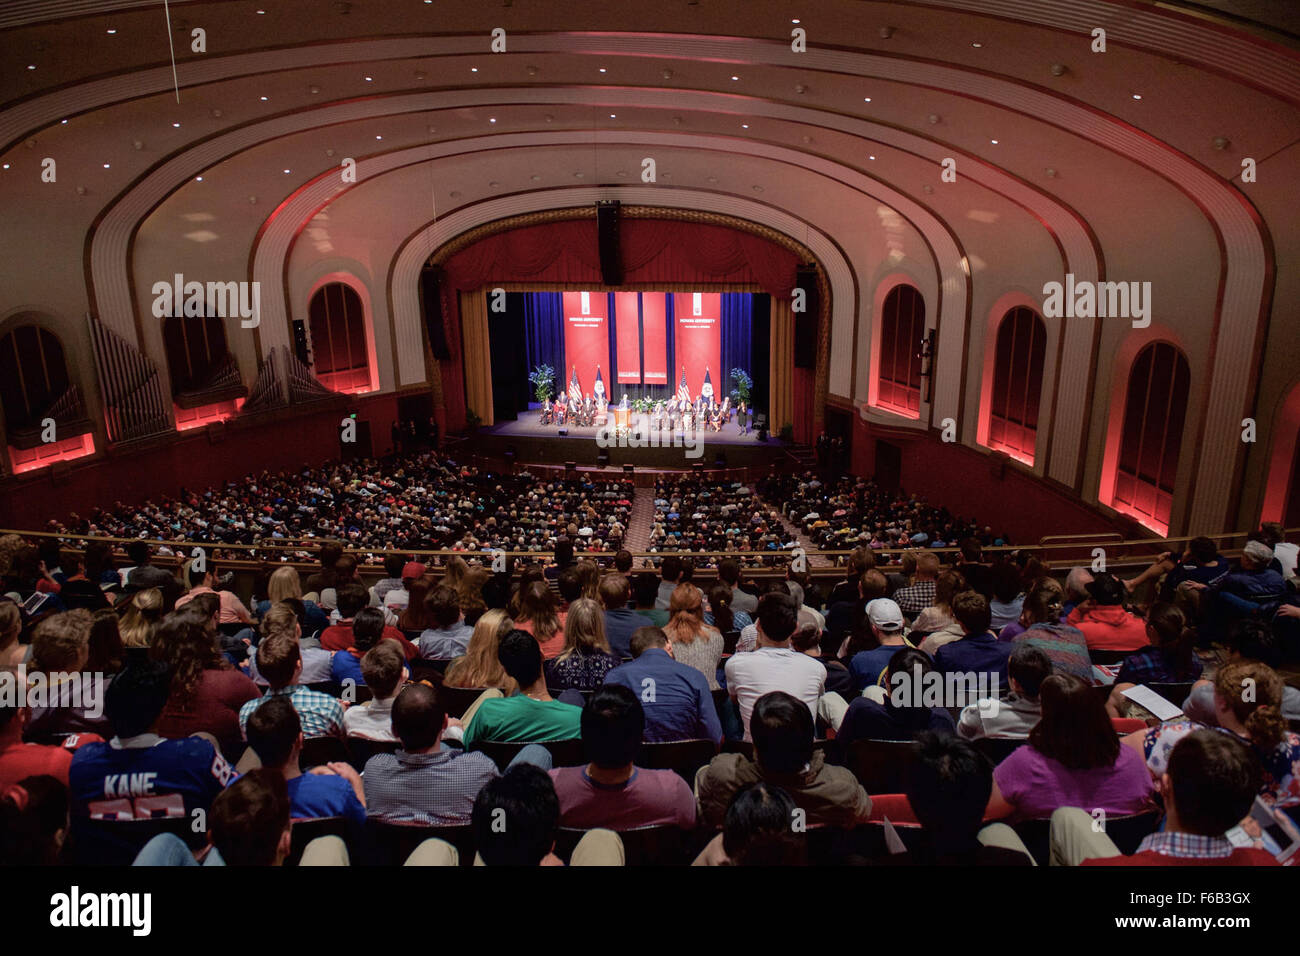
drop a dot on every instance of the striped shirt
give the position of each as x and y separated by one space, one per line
430 789
321 715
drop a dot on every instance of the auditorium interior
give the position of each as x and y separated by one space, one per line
752 283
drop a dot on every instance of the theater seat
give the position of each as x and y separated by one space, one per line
317 751
1126 831
360 749
642 846
564 753
432 671
997 749
881 766
389 844
684 756
457 700
304 831
117 842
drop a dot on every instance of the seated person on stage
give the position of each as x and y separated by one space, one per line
138 773
948 789
1016 713
338 637
530 715
611 791
423 782
384 670
367 631
331 790
448 639
1073 759
1208 788
280 662
681 707
783 756
516 817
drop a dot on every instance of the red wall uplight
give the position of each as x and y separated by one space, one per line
42 456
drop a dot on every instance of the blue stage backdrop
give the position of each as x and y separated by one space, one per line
537 318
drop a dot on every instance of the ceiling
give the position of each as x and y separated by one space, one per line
1125 164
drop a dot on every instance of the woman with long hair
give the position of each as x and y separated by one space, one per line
589 578
480 667
416 619
721 614
586 657
1064 644
1248 705
1073 759
695 643
1170 658
284 584
454 573
144 613
469 595
539 615
206 690
105 644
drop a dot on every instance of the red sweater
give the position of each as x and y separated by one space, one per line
1110 628
338 637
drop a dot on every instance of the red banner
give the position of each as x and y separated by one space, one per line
698 339
654 331
586 339
627 336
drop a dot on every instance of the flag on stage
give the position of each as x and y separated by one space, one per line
684 390
575 390
598 389
706 389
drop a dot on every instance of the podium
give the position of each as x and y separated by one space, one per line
621 416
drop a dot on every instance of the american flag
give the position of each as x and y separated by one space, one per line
575 390
684 390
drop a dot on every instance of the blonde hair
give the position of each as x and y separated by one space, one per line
685 614
279 619
141 620
480 666
584 629
284 583
11 623
455 572
1261 715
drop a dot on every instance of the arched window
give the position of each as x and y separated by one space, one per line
338 338
35 388
196 352
1154 411
902 326
1017 383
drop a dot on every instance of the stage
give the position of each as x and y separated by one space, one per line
533 442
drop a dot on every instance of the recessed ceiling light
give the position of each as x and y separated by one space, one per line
111 31
106 166
993 141
866 99
1137 96
735 77
977 44
473 69
378 137
265 98
370 79
174 125
198 179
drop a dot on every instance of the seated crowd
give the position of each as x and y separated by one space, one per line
588 707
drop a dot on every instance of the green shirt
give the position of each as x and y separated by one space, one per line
656 617
522 719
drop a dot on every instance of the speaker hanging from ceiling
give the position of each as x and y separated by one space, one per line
611 254
431 281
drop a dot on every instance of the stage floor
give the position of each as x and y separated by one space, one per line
533 442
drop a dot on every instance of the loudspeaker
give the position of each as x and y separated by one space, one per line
300 348
431 306
602 458
805 323
570 469
762 432
697 468
611 255
627 469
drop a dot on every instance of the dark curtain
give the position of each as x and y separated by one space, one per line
761 339
737 338
511 389
543 329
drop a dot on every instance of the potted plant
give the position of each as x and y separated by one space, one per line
543 379
740 392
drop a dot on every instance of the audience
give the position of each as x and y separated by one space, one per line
885 619
481 665
774 665
516 817
677 702
621 622
449 636
1018 711
280 662
1065 646
383 669
758 830
1169 657
352 600
33 820
695 643
1105 622
586 657
1073 759
367 631
530 715
977 655
904 711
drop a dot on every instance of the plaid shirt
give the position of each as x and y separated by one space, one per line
1192 846
1152 666
430 789
321 714
916 597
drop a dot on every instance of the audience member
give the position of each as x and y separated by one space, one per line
384 670
774 665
